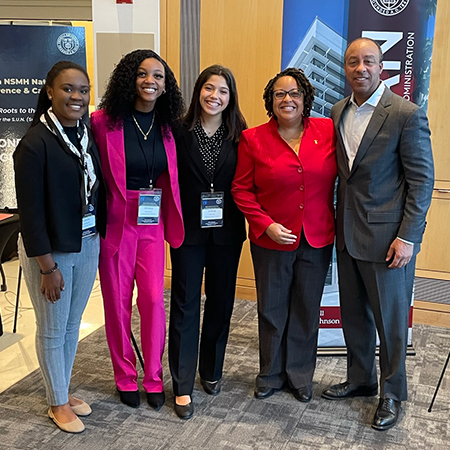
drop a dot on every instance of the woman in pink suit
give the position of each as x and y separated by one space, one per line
137 150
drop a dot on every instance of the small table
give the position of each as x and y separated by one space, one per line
9 224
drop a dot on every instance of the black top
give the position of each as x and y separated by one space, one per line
194 179
48 180
209 146
72 135
145 160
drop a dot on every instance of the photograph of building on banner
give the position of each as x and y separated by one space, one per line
315 36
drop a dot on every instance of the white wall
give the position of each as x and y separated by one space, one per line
141 17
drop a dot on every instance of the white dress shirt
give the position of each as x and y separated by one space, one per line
355 120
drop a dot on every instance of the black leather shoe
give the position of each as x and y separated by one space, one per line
211 387
263 392
345 390
184 412
156 400
387 414
303 394
130 398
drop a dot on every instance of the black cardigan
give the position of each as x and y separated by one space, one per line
193 180
48 181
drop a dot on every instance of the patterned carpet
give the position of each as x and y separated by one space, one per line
233 420
430 290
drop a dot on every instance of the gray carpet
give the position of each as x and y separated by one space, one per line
431 290
233 420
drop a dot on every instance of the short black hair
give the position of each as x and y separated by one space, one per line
44 102
365 39
302 82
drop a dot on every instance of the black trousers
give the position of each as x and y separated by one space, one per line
220 263
375 298
289 288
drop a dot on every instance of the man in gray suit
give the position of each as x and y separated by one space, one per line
385 169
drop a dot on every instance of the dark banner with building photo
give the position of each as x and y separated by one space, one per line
26 55
315 36
404 29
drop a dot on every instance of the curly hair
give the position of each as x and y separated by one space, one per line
302 83
120 94
44 103
232 115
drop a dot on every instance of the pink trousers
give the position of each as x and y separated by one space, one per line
140 259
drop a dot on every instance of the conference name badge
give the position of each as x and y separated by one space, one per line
149 206
88 223
211 209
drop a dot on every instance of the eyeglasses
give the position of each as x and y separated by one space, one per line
280 94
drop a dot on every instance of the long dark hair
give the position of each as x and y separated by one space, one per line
120 95
232 116
303 84
44 102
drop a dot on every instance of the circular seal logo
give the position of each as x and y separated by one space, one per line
389 7
68 43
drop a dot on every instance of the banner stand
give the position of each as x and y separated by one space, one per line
342 351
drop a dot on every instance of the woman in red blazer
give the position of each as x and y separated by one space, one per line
137 151
284 185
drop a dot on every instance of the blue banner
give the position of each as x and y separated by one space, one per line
315 36
26 55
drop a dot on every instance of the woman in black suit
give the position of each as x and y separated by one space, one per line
214 232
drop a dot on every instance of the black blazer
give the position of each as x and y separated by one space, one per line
193 180
48 180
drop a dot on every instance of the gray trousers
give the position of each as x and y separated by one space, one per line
289 288
58 324
375 298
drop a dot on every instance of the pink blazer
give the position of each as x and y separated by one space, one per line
112 154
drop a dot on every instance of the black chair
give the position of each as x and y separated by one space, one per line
9 228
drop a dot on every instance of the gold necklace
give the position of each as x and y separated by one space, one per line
140 129
298 138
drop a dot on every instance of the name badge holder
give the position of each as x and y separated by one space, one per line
149 206
149 198
211 209
88 223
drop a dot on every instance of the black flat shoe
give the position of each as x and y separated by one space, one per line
387 414
263 392
156 400
130 398
184 412
345 390
211 387
303 394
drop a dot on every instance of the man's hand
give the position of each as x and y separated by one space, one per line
400 253
280 234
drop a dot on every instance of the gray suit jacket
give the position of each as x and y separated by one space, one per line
388 191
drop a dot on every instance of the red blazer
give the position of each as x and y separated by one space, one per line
112 155
273 184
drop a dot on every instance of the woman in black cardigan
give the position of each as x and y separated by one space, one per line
61 199
214 233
